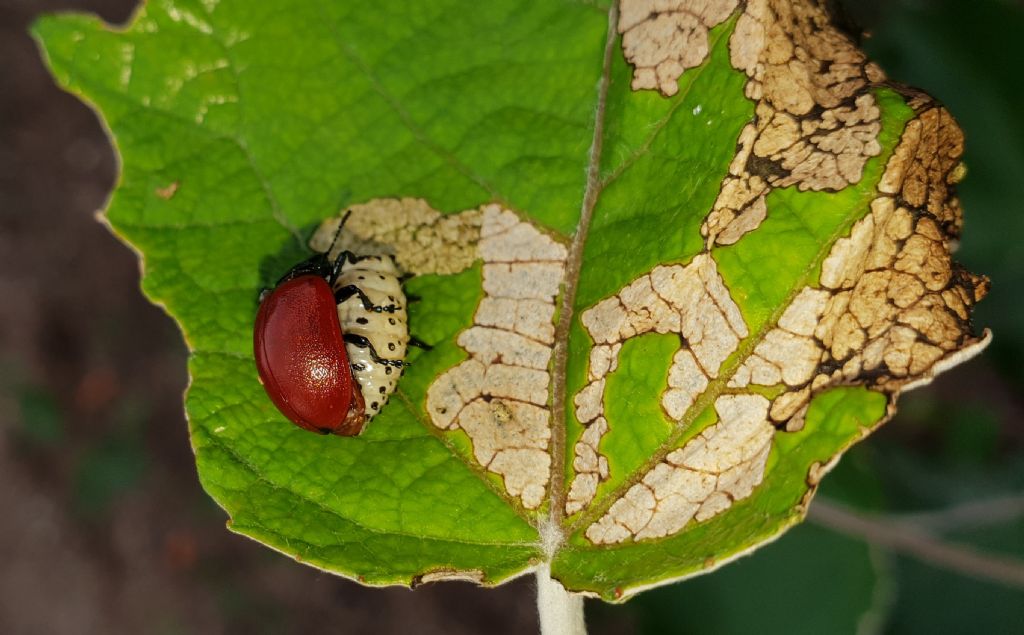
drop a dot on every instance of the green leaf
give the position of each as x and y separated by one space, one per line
658 316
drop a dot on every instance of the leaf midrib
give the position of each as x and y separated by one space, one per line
574 261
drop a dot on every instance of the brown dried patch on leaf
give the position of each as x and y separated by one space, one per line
816 122
926 166
893 309
448 575
690 300
663 38
720 466
899 303
168 192
499 396
421 239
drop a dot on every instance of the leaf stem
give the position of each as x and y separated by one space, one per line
968 515
561 612
918 543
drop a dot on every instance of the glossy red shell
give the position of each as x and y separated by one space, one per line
301 358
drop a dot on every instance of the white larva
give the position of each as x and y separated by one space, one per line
375 323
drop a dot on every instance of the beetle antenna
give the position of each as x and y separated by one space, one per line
337 232
342 255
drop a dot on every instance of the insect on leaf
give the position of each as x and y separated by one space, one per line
673 258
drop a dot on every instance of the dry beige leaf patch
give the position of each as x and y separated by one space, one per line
723 464
891 310
661 39
499 396
690 300
816 121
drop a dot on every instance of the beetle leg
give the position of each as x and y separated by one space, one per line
418 343
362 342
346 292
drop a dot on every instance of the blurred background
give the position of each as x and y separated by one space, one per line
104 528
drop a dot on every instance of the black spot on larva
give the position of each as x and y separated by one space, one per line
387 369
391 346
391 297
383 390
381 277
442 410
362 277
391 320
375 405
362 321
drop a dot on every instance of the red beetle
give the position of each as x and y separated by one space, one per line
300 351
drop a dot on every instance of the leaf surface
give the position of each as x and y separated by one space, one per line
667 281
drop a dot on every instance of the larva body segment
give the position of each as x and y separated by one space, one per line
373 317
